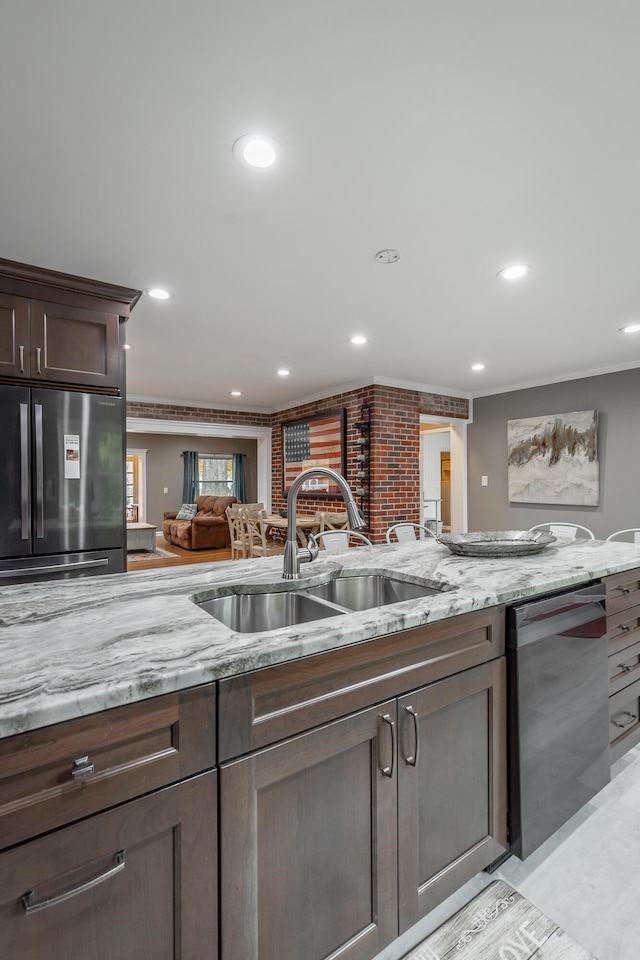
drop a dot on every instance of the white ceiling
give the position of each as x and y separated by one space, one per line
466 134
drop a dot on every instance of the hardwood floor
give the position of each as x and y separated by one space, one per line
183 556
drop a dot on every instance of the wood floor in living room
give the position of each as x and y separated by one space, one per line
178 556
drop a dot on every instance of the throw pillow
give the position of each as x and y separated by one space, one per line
187 511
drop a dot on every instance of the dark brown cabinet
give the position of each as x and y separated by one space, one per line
308 844
126 884
451 786
15 336
60 329
59 343
623 629
108 833
335 840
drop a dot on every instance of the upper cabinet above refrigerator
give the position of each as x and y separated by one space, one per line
59 329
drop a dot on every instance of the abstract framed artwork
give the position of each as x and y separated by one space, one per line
554 459
314 442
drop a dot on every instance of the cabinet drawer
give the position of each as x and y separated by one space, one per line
58 774
623 628
624 668
265 706
622 591
624 720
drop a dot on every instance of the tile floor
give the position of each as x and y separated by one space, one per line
586 877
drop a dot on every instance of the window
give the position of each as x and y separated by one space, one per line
215 475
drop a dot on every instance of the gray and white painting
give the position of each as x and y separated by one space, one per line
554 459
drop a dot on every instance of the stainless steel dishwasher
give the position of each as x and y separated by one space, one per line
558 711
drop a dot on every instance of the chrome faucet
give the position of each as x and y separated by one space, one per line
293 555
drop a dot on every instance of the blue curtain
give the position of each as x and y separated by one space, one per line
237 482
190 483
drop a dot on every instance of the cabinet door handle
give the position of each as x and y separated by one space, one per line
21 352
388 771
82 768
412 759
630 718
38 359
31 907
625 627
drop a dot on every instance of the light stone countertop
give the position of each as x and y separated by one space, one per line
72 648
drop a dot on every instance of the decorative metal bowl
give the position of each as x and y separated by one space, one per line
496 543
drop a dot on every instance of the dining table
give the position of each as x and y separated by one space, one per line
305 523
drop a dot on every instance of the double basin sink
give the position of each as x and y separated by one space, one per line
272 610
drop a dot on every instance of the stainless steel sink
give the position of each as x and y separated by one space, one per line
364 592
254 612
272 610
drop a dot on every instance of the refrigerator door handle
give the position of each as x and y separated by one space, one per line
24 471
74 565
37 409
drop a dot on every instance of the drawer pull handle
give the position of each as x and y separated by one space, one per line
412 760
82 768
388 771
631 718
624 589
31 907
625 667
625 627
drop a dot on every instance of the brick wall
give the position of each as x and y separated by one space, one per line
184 413
394 449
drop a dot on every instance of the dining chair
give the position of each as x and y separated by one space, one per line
561 529
256 527
236 531
331 521
630 535
407 532
337 541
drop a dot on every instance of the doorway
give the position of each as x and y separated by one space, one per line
443 482
136 486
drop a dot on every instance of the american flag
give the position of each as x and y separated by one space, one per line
313 444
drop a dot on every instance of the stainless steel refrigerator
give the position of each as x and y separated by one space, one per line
61 484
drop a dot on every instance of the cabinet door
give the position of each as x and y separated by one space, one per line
309 844
451 785
74 345
134 883
14 336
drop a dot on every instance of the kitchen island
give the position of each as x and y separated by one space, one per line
71 648
359 761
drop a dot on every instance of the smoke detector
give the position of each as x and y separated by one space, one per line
387 256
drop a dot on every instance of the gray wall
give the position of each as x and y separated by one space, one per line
164 466
616 397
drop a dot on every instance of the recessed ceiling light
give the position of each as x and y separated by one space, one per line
283 372
159 293
514 272
387 256
477 366
358 340
127 346
255 150
235 393
630 328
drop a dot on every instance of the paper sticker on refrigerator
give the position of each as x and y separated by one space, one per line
71 456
